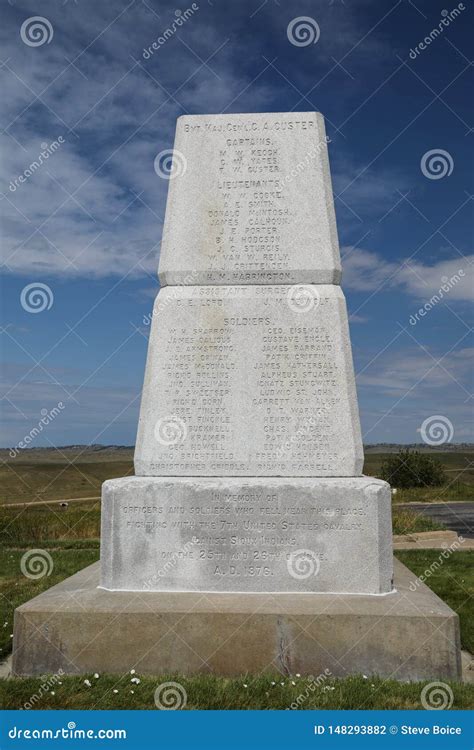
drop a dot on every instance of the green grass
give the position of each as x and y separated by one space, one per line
453 582
15 588
26 526
456 492
457 464
245 693
405 521
26 481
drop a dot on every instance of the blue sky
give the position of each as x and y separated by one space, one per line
87 223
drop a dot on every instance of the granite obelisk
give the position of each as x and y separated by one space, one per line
249 457
249 541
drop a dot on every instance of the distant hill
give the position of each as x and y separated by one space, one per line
96 449
394 447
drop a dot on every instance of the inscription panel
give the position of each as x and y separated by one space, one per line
251 202
274 535
251 380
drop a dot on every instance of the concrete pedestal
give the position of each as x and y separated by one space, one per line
409 634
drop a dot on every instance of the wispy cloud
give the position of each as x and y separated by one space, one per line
367 271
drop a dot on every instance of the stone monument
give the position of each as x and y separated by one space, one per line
249 539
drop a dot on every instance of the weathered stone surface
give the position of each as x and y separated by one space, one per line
75 626
249 381
250 202
229 534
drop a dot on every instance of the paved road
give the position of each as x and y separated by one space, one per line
456 516
50 502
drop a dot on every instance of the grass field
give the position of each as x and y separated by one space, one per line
53 475
458 464
28 481
245 693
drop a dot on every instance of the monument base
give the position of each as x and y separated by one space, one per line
75 626
247 534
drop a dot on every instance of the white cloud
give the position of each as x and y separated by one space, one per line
367 271
402 370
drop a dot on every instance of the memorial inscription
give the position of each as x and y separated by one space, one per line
221 534
249 382
260 212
